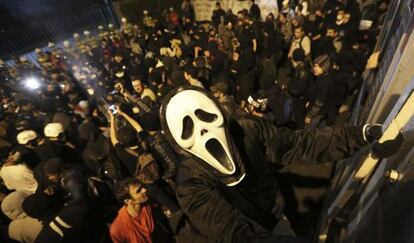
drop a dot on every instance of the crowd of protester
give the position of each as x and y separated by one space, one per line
83 155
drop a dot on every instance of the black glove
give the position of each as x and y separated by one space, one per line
387 148
373 132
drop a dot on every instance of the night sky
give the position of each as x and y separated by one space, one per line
23 13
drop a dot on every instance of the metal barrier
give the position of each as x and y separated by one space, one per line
395 24
351 197
19 42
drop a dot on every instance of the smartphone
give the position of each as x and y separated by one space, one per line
113 109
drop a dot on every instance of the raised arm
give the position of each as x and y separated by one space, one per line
112 131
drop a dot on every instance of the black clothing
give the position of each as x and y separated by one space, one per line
245 38
249 210
215 18
56 149
254 11
70 224
230 108
317 27
128 159
99 157
321 98
217 66
72 186
300 80
164 153
323 46
330 10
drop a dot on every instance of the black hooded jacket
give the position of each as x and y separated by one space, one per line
164 153
300 81
248 211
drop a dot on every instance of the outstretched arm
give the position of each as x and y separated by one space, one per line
308 146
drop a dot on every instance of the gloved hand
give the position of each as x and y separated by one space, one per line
373 132
387 148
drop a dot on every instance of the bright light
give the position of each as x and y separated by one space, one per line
32 83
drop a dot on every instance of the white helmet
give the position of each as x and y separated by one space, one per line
145 12
75 35
86 32
100 27
53 130
66 43
198 129
26 136
50 44
124 20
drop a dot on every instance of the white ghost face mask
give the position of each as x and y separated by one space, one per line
197 126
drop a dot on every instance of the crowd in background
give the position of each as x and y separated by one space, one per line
81 144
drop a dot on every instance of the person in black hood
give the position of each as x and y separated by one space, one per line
225 184
301 76
301 79
218 12
320 94
254 10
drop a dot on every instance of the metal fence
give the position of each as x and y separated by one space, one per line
22 41
394 26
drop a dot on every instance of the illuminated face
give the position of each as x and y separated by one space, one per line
331 33
298 33
137 85
317 70
340 15
138 195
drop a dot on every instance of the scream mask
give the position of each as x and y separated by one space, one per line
195 125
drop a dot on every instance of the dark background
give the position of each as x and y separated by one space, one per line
17 14
28 24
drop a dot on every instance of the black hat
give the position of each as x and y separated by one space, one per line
53 165
298 55
150 122
37 205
